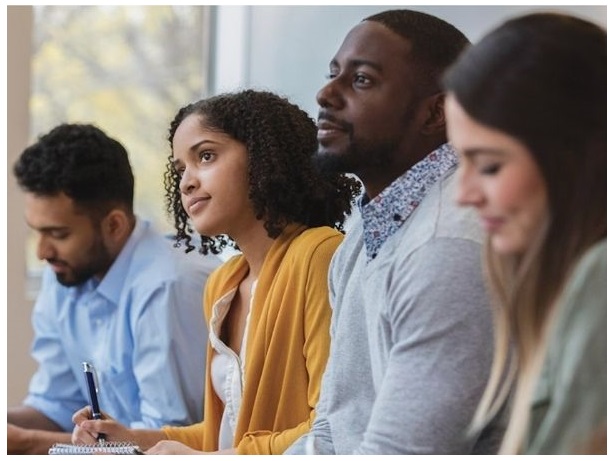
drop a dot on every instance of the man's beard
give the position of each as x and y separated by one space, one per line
99 262
363 157
356 159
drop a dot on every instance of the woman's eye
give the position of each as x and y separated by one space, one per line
206 156
490 169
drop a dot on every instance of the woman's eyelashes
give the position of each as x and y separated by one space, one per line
206 156
489 169
179 169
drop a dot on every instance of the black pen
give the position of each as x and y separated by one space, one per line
92 383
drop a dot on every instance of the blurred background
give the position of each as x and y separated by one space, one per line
128 69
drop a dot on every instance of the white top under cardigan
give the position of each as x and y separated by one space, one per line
227 368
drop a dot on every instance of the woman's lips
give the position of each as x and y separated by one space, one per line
491 224
197 203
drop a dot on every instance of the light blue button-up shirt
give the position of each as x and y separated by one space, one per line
143 329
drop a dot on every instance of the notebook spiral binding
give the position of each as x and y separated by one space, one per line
112 448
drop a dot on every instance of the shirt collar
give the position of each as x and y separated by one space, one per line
113 282
384 214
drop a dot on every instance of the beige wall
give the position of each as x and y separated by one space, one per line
19 364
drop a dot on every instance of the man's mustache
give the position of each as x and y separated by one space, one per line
338 123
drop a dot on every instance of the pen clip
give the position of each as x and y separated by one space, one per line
92 383
89 368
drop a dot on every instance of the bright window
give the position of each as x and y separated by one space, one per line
126 69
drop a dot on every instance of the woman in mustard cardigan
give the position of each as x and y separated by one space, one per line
241 174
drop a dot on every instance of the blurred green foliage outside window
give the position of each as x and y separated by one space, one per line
126 69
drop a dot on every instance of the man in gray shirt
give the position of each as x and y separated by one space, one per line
411 330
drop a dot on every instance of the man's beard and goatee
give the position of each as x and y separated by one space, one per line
100 261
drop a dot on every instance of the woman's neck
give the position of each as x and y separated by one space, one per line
254 244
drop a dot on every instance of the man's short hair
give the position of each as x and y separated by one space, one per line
81 161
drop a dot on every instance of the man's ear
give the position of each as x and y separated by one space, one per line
435 123
116 226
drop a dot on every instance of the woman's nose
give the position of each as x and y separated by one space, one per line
468 190
188 182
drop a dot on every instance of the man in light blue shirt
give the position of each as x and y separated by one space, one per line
115 294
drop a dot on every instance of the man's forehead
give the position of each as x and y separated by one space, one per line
51 210
373 41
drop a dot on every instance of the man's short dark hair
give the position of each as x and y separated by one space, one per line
435 44
81 161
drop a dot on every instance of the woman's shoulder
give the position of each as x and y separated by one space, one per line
589 274
230 269
316 235
316 239
583 302
593 260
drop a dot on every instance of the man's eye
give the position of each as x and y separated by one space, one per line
362 79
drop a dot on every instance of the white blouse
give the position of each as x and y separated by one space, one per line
227 368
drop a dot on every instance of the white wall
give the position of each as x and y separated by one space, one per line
287 49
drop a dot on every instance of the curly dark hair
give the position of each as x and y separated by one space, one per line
81 161
284 185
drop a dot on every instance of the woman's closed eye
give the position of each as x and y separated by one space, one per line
490 169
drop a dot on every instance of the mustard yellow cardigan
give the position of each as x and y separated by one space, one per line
287 349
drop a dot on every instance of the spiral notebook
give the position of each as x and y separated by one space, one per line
105 448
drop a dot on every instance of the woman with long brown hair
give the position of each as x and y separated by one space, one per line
526 108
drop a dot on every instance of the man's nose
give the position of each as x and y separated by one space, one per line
44 249
329 95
